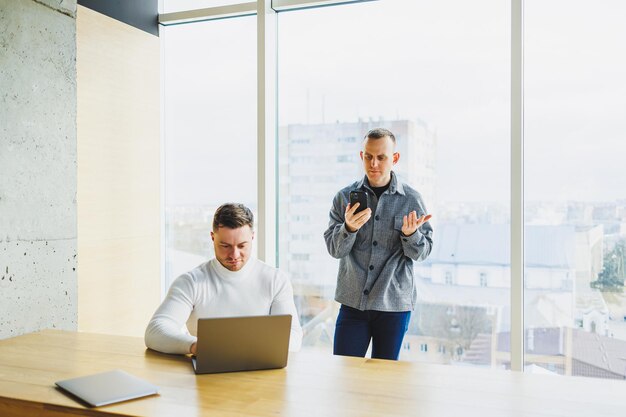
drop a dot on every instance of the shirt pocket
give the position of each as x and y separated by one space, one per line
363 241
397 223
392 236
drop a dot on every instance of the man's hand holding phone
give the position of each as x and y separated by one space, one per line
354 221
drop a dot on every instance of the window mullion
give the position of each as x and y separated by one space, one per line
266 131
517 186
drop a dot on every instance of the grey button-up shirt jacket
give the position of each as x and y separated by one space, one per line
376 262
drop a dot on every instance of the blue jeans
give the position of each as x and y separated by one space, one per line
355 328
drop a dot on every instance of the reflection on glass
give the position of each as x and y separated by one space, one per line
575 185
437 75
210 132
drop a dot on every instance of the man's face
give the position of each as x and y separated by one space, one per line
378 158
233 246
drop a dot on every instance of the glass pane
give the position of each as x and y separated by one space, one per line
436 73
575 185
210 131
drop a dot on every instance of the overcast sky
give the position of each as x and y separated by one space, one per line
444 62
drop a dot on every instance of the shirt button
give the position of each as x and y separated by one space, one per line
404 239
345 235
377 217
366 292
371 267
374 243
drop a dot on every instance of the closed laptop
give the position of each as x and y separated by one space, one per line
229 344
107 387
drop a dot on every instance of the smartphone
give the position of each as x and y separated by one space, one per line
361 197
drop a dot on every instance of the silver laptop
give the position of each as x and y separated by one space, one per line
107 387
249 343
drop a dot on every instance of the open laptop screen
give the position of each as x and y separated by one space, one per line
228 344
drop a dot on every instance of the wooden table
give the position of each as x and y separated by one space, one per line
313 384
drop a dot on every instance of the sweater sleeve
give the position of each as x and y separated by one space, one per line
283 304
166 331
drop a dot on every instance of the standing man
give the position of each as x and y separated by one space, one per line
376 248
231 284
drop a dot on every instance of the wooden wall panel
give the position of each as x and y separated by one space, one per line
118 83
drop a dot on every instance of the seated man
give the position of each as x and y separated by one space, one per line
231 284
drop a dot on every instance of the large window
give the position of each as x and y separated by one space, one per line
575 103
436 73
210 132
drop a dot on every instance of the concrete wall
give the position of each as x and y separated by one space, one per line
38 284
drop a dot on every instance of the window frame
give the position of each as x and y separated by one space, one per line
267 129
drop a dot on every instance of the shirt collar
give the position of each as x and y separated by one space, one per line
224 272
394 186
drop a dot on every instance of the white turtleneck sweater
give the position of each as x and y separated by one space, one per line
210 290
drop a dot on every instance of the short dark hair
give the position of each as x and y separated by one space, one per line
379 133
233 216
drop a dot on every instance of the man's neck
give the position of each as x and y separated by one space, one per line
382 183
